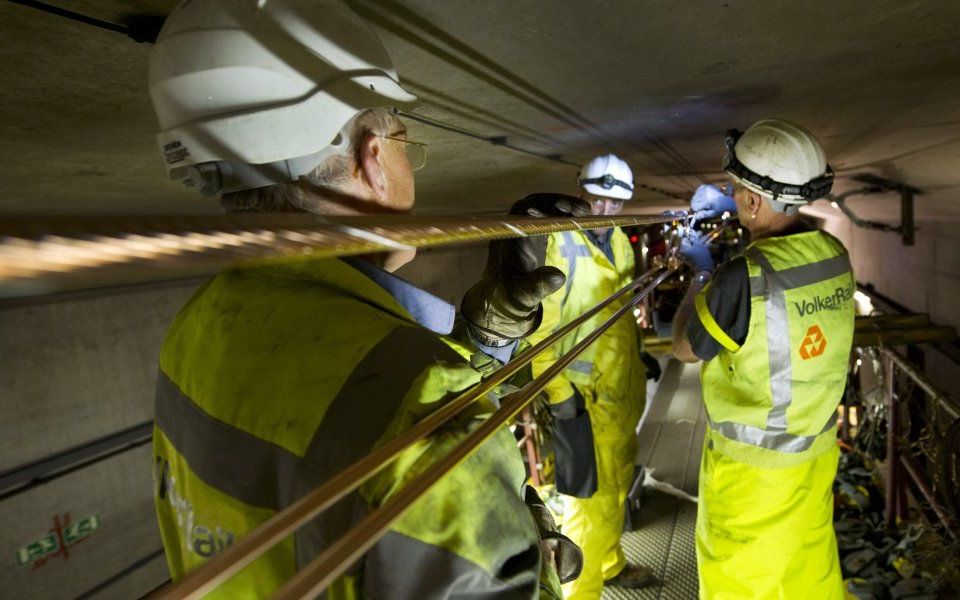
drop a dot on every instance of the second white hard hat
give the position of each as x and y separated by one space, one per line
781 161
254 92
607 176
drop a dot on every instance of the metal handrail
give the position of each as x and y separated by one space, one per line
946 402
333 561
899 463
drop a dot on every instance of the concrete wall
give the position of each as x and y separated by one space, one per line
83 366
75 369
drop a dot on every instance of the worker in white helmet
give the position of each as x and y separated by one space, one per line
277 376
774 328
597 401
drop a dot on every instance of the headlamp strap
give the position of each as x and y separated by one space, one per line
606 181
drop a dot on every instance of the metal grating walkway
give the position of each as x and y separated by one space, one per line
670 442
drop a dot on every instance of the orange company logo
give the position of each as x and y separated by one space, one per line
814 343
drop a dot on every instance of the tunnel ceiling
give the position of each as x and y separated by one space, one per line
656 82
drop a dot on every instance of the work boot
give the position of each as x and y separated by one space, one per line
632 576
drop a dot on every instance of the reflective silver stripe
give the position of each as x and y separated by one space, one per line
581 366
795 277
234 461
570 250
771 440
403 568
778 345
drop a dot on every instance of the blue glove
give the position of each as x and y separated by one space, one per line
694 252
709 202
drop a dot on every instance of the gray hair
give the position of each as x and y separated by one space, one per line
331 175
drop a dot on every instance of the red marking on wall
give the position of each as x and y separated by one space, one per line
59 540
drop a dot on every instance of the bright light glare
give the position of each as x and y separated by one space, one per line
864 304
834 204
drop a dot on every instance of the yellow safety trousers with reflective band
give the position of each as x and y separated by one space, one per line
764 526
273 379
612 379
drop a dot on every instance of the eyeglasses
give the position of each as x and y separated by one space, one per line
416 151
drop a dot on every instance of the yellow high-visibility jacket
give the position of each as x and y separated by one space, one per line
611 366
596 443
273 379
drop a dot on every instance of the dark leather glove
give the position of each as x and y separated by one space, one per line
505 304
653 366
557 548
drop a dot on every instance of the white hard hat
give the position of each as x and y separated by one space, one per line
254 92
781 161
607 176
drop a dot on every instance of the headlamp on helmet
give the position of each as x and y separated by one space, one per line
779 160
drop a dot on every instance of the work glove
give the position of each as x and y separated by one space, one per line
505 304
709 202
556 548
695 252
653 366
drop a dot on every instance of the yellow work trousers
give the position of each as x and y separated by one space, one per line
595 523
767 533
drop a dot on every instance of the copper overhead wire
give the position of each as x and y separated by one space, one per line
40 255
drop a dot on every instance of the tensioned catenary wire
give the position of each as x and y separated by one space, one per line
255 543
41 255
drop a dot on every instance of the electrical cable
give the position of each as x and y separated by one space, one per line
141 29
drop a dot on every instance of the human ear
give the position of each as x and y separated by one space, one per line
370 159
754 201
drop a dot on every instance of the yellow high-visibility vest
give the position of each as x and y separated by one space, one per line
772 401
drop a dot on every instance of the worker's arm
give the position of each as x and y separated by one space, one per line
681 343
714 315
695 252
